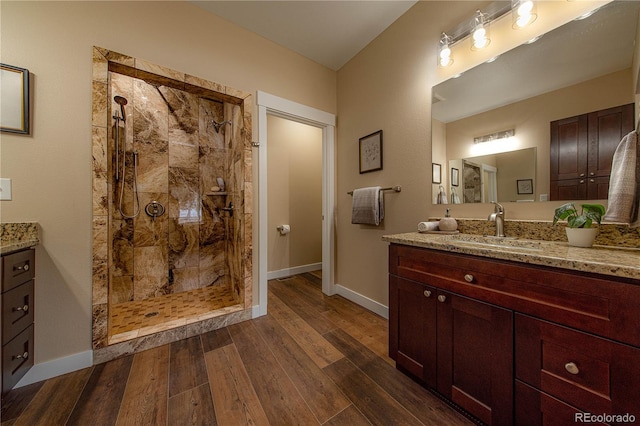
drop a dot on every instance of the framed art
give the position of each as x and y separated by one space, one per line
436 173
371 152
14 98
525 186
455 177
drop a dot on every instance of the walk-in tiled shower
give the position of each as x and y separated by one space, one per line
172 236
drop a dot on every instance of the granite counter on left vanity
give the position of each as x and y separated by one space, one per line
17 255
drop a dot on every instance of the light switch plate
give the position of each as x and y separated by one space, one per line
5 189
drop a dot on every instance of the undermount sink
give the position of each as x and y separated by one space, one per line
504 243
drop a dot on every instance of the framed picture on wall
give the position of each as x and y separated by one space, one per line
436 173
455 177
525 186
371 152
14 98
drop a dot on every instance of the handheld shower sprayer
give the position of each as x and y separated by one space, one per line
122 102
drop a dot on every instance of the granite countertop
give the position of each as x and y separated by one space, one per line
606 260
18 236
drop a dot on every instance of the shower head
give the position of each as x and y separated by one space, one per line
122 102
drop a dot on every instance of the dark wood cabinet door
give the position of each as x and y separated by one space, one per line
569 154
606 129
475 357
412 328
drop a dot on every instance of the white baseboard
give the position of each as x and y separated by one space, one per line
287 272
363 301
257 311
57 367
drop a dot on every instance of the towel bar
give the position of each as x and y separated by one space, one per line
394 188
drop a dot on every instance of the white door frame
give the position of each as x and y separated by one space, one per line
280 107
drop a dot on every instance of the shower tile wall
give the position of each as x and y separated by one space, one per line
179 158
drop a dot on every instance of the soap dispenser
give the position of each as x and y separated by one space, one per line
447 223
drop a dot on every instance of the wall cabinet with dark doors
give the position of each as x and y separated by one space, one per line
513 343
581 152
18 272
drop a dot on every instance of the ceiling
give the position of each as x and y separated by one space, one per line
327 32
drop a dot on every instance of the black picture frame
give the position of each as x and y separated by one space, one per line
455 177
15 99
370 152
436 173
525 186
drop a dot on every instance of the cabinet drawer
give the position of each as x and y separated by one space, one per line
590 373
17 268
535 408
17 359
605 306
17 310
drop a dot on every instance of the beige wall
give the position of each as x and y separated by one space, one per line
294 176
388 86
51 168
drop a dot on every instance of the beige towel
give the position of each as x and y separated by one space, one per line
624 183
367 206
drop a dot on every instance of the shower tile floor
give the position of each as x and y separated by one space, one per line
135 319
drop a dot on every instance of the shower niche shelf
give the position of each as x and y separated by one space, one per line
216 193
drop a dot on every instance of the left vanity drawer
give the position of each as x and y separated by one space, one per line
17 359
17 310
18 268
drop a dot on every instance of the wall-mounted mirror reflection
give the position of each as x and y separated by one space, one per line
585 66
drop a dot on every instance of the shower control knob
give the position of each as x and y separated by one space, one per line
442 298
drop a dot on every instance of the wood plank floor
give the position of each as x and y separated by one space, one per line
313 360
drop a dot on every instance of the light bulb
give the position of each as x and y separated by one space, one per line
480 38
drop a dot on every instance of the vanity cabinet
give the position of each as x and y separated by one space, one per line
513 343
582 149
18 272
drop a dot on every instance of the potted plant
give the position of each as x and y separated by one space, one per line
580 232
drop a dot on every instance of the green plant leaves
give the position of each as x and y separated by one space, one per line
590 213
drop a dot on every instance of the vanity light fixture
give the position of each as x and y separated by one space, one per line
523 13
495 136
444 55
480 35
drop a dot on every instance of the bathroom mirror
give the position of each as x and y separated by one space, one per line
504 176
580 67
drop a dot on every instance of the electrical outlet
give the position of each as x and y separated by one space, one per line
544 197
5 189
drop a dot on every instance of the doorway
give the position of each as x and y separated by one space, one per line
283 108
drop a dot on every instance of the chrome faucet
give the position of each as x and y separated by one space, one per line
498 217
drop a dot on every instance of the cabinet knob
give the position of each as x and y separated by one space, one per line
592 174
24 267
592 180
427 293
582 174
468 278
571 367
23 356
24 308
581 180
442 298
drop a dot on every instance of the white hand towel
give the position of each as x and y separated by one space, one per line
624 183
427 226
367 206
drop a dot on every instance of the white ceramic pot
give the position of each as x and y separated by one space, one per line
581 237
